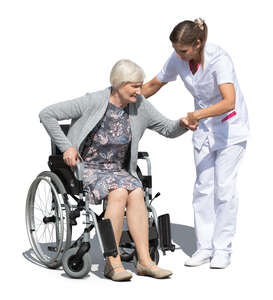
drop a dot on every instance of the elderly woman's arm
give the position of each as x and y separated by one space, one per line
161 124
66 110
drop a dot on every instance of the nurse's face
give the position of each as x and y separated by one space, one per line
187 52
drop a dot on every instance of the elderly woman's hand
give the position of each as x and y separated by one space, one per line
70 156
185 122
192 121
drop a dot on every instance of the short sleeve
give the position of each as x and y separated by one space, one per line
169 71
224 70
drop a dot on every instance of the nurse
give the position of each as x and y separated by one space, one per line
219 141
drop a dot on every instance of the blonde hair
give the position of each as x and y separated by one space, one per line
125 70
188 32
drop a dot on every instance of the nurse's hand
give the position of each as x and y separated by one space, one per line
192 119
70 156
186 124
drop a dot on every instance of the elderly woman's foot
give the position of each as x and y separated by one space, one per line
116 272
152 270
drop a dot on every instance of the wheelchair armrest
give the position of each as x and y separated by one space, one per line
142 155
78 171
66 174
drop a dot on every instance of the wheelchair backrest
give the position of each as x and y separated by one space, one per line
58 166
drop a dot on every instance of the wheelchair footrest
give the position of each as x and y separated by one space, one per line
108 238
164 226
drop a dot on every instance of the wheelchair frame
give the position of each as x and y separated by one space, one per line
75 257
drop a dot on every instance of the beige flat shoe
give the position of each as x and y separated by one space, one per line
116 276
149 271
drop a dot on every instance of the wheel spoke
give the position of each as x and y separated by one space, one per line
43 233
39 221
51 232
39 226
39 209
39 206
48 235
42 204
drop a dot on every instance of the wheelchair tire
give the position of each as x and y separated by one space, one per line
47 219
76 269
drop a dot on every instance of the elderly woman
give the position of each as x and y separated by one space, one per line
105 131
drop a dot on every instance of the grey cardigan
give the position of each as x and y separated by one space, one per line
86 112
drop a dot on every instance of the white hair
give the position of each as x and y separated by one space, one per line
125 71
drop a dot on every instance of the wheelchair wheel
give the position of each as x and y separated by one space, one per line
74 268
47 219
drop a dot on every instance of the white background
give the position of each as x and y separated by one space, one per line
58 50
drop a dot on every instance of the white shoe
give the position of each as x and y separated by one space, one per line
199 258
220 260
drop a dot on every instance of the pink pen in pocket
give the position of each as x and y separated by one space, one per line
232 114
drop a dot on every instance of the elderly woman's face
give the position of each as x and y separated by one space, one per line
128 91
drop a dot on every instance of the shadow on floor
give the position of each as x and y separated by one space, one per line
183 236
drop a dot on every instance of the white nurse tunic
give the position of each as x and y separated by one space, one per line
203 85
219 144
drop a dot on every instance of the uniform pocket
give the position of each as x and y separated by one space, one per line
230 115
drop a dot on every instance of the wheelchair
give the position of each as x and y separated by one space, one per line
55 200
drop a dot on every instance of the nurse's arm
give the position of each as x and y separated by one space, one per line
226 104
151 87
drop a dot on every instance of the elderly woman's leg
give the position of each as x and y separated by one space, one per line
115 212
137 219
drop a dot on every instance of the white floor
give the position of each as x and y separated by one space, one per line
57 50
249 274
246 277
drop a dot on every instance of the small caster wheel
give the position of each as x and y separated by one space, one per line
74 268
154 254
126 254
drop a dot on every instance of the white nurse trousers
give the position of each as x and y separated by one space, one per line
215 200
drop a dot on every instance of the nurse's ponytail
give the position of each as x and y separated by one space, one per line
188 32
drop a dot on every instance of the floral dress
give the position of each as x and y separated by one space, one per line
104 156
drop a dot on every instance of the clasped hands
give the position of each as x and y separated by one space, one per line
190 122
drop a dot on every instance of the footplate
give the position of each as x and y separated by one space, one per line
164 226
